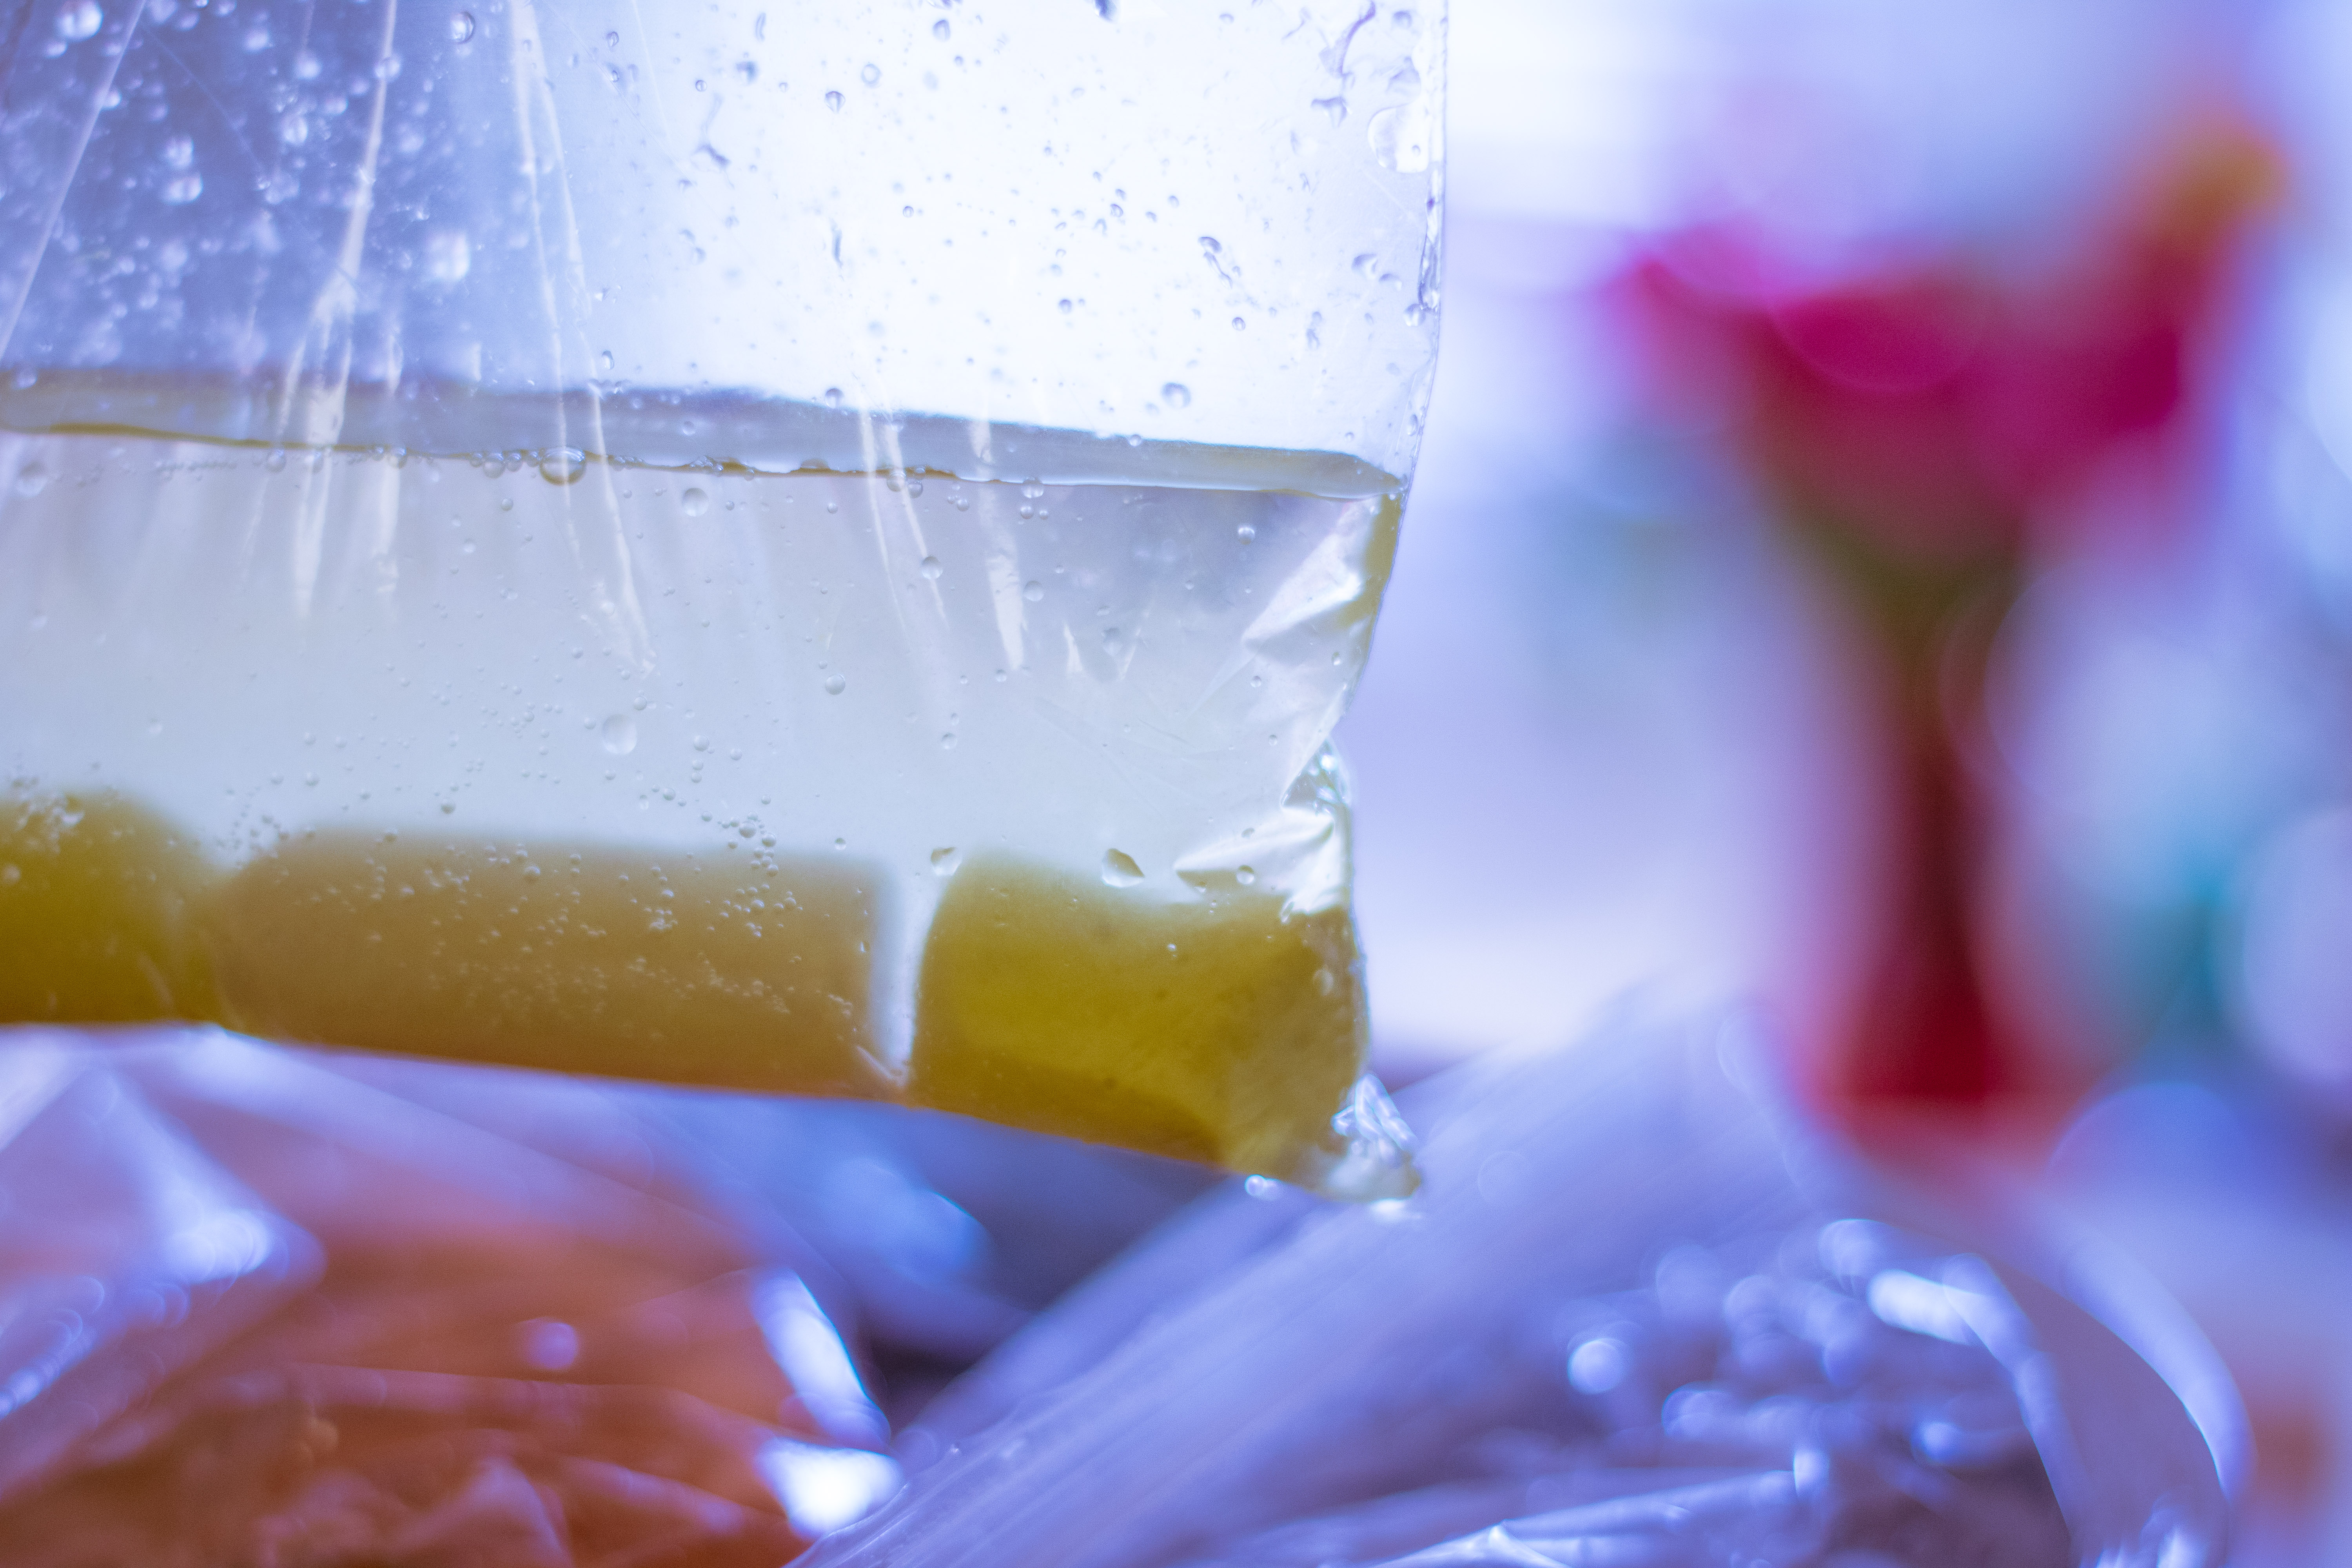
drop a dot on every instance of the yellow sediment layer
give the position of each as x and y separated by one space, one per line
681 968
98 903
1216 1030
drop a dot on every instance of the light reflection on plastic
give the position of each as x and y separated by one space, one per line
921 1233
824 1488
219 1246
1904 1301
804 1343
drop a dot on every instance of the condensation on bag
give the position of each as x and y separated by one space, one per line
812 549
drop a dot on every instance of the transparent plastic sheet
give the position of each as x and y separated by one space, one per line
1631 1319
264 1306
811 547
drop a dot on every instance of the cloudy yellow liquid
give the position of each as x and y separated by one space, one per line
883 784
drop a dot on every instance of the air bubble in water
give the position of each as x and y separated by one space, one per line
1032 590
939 29
835 684
79 19
619 734
1245 533
931 568
180 192
1246 876
461 27
870 75
833 397
695 502
832 102
1176 394
32 479
1119 869
563 465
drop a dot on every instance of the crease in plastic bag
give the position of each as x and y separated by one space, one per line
258 1307
1630 1320
723 547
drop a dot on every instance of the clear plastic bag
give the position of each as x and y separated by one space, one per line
1631 1318
812 548
259 1309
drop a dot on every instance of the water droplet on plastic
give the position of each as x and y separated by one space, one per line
702 743
1336 107
1034 491
78 20
832 102
945 861
275 462
1598 1366
604 362
1245 533
1246 876
931 568
619 734
1112 641
32 479
835 684
1032 590
1400 137
563 465
461 27
1176 394
186 188
833 397
694 502
870 75
506 503
1119 869
947 742
1239 323
531 873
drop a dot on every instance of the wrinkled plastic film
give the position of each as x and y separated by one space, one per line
1614 1325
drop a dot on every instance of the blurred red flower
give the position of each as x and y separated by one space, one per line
1924 429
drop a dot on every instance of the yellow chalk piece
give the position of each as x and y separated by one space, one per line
1212 1030
701 969
98 900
